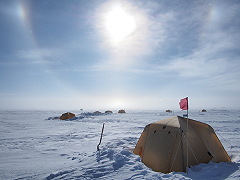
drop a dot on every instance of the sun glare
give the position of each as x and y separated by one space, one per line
119 24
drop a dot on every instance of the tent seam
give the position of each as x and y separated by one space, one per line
197 135
176 151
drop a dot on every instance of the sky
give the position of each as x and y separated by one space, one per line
128 54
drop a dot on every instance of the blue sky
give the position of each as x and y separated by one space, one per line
119 54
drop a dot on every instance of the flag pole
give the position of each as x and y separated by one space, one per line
184 106
187 136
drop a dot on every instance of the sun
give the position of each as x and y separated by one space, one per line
119 24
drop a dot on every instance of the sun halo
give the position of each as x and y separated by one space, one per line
119 24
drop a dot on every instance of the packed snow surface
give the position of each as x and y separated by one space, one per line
38 145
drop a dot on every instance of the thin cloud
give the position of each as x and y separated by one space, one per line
35 53
39 56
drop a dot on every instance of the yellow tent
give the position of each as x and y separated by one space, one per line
67 115
163 145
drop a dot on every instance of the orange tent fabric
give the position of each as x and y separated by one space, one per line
163 145
67 115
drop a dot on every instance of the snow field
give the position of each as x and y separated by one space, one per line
34 145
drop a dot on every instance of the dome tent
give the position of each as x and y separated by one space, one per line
121 111
67 115
163 145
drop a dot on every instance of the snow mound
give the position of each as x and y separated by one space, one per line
80 116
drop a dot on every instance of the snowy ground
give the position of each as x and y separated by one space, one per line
36 146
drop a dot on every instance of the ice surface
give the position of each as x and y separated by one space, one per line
37 145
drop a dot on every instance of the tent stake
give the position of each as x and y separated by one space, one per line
100 138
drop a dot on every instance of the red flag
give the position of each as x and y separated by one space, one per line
184 104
